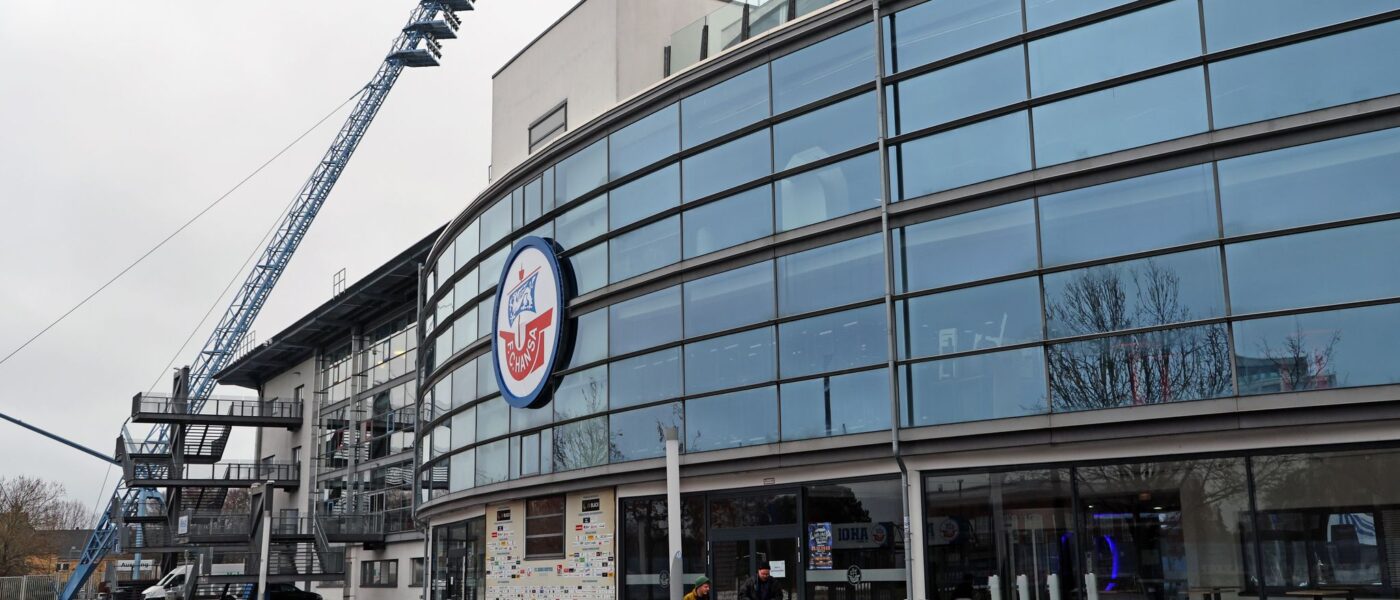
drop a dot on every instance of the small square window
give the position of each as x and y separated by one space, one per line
550 126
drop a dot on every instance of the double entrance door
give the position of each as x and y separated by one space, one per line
736 555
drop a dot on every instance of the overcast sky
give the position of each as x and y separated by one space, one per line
120 120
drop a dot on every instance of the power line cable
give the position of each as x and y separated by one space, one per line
177 231
219 300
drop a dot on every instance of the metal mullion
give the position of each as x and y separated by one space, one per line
915 360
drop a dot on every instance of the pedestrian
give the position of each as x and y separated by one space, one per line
701 591
763 587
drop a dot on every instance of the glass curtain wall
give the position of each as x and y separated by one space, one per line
1174 529
822 533
459 561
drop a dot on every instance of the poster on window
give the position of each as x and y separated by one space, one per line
819 546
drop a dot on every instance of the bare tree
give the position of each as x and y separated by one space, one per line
1141 368
31 509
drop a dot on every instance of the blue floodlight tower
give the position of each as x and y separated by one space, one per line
416 46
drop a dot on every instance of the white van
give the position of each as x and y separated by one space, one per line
172 586
169 587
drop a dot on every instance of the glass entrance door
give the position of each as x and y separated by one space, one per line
736 558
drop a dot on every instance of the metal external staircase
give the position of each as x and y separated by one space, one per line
182 451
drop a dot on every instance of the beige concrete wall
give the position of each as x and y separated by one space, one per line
601 53
588 569
644 30
574 61
279 442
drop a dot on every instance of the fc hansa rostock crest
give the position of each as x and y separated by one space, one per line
529 322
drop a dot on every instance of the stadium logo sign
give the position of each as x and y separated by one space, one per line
528 329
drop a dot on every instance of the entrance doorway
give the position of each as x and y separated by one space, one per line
753 531
736 556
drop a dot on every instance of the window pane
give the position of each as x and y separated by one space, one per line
581 173
822 69
495 223
645 321
1192 363
805 279
723 223
1231 23
462 470
484 314
1161 290
978 387
849 186
1327 513
833 342
464 384
962 90
1284 188
492 419
966 155
645 378
590 338
941 28
493 462
1197 513
1314 269
1041 13
485 377
1333 349
1040 506
742 418
1125 44
644 142
724 107
825 132
645 249
590 268
1143 213
529 418
638 434
718 169
645 197
729 299
534 206
826 406
731 361
582 393
970 246
1135 114
989 316
463 429
491 269
1337 69
582 223
467 244
581 444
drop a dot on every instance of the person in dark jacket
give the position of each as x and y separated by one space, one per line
763 587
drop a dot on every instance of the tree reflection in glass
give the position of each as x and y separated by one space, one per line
1150 367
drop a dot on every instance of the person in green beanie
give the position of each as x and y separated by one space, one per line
701 590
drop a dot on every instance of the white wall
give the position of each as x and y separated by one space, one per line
601 53
279 442
574 61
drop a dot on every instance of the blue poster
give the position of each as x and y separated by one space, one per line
819 546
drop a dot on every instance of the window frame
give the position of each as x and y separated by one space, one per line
392 566
563 510
562 111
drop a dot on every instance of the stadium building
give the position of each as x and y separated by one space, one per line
992 299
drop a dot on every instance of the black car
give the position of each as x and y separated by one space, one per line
287 591
281 591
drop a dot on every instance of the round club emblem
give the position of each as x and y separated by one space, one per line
529 322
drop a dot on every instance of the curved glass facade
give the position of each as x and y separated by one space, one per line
730 266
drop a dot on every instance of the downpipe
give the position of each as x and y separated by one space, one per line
891 350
